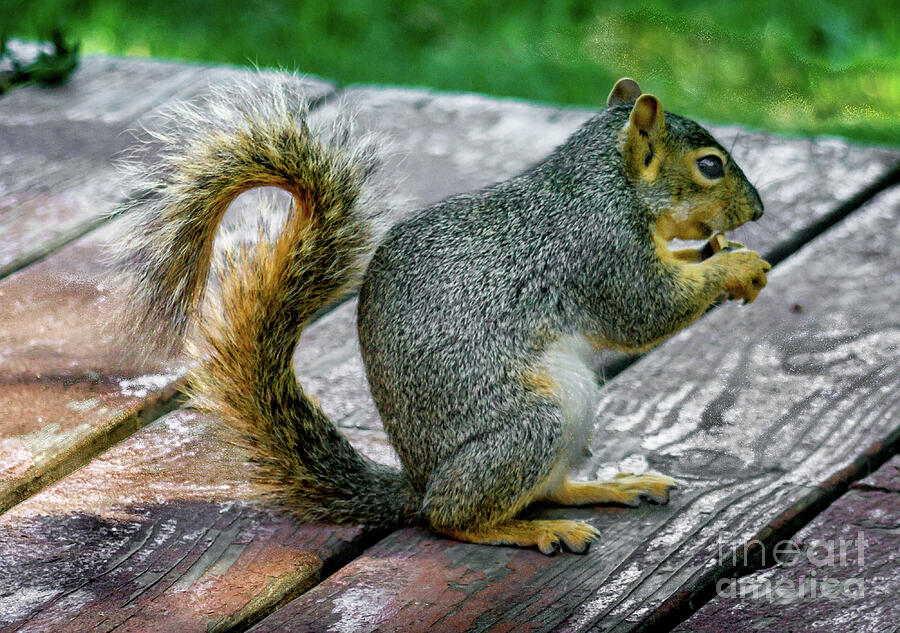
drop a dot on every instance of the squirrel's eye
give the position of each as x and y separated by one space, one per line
711 166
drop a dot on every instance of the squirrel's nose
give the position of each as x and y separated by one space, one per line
758 201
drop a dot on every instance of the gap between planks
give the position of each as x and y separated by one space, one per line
455 122
793 244
787 594
702 587
126 422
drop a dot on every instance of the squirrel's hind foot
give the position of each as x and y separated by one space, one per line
624 488
550 536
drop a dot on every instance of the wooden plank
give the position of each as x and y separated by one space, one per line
442 144
839 573
786 393
67 393
57 173
158 533
801 181
59 143
519 122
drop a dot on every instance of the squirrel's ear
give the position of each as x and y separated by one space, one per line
645 125
624 92
647 115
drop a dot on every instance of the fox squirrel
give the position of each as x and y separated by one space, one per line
477 315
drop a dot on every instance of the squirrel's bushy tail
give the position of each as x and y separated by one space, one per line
267 291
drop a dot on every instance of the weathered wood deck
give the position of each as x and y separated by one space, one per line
121 513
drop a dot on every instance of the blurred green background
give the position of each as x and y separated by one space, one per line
826 67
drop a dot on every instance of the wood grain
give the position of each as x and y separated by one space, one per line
790 391
840 574
67 391
61 301
58 145
158 533
66 377
57 174
443 144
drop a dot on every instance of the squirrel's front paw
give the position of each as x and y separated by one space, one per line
746 274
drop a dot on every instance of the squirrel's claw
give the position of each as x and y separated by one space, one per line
646 487
749 277
551 548
573 536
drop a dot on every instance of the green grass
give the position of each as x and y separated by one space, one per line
829 67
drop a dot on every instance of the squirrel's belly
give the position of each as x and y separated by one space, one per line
565 371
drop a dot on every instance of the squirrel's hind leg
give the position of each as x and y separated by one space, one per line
624 488
475 494
550 536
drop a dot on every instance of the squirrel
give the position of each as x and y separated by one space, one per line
477 315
